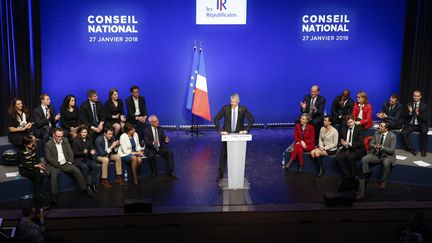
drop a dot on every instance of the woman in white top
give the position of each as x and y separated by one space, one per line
130 150
328 141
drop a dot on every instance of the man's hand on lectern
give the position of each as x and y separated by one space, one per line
243 132
223 133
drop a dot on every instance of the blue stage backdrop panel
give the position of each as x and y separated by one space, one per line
271 61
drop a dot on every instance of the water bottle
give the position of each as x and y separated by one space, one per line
125 175
17 175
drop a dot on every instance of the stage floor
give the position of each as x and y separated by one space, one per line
196 162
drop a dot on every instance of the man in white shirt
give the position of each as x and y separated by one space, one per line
137 111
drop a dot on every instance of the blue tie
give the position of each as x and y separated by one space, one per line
233 120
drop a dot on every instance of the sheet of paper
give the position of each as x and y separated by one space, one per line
400 157
421 163
11 174
429 133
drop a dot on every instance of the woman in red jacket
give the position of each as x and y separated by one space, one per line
362 111
303 141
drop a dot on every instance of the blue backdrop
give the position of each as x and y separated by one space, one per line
266 61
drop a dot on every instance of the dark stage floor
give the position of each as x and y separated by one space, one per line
196 163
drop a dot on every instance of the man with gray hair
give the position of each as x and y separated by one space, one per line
234 115
155 144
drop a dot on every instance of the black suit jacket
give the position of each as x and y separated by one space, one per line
87 114
41 123
78 147
150 149
337 112
357 138
394 117
422 117
130 106
225 112
319 104
111 110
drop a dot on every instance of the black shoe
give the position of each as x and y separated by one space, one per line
300 169
173 175
321 172
413 152
423 153
88 192
94 189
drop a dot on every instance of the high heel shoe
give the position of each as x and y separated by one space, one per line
300 169
321 171
288 165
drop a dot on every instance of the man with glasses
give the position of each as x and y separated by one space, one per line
313 104
383 145
59 157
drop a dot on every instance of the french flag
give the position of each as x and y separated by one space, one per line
201 106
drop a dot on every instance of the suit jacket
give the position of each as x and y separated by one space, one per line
149 138
41 123
308 138
225 112
111 110
357 138
366 121
100 146
394 116
87 114
422 117
389 144
319 105
338 112
79 145
130 106
51 155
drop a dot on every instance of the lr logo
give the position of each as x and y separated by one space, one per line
220 4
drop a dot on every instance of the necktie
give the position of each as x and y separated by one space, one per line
46 112
414 113
233 120
95 118
349 135
312 104
391 107
382 139
156 139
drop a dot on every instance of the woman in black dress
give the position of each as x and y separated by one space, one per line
19 124
85 157
31 166
114 112
70 117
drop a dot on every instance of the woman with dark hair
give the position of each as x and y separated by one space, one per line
130 150
70 117
327 144
304 138
19 124
85 157
114 112
30 165
362 111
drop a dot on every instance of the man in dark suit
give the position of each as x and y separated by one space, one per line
342 106
391 112
91 112
351 140
383 145
137 111
106 148
44 118
59 157
313 104
234 115
155 143
416 120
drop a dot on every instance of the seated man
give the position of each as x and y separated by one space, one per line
313 104
352 149
44 118
342 105
59 157
106 149
137 111
391 112
91 112
383 146
155 142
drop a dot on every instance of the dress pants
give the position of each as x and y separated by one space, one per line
346 161
408 129
88 164
37 177
105 162
69 169
298 153
165 153
373 158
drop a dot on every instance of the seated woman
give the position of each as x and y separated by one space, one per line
85 157
70 117
114 112
303 141
31 166
130 150
327 144
19 124
362 111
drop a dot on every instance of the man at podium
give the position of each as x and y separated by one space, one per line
234 115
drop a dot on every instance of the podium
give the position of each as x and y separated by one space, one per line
236 156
